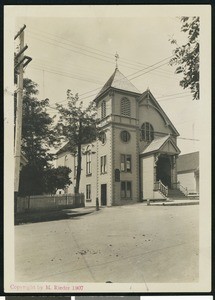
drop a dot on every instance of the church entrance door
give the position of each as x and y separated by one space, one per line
163 171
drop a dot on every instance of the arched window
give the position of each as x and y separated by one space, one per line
103 137
103 109
125 136
125 107
147 132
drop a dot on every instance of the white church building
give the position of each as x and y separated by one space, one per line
136 158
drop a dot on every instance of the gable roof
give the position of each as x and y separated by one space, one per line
188 162
118 81
65 148
161 144
147 95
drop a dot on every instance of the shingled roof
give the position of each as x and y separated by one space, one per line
158 145
188 162
118 81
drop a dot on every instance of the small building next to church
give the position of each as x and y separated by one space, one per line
136 158
188 172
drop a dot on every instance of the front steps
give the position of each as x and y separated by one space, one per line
175 194
175 198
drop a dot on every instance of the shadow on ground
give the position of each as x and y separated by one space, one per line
46 216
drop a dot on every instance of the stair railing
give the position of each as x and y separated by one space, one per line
161 187
183 189
180 187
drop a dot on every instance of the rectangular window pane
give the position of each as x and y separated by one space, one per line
128 190
88 191
104 163
128 163
101 161
88 163
122 162
123 194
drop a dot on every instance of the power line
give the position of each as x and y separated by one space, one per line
154 132
164 96
151 66
127 76
43 66
98 58
188 139
147 71
64 75
110 55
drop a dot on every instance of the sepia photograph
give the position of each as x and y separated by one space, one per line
107 149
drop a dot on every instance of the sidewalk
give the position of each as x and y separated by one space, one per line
52 215
175 202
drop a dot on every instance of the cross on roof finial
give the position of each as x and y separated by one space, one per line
117 57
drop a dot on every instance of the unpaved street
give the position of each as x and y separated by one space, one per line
134 243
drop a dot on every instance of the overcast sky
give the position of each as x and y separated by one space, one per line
73 47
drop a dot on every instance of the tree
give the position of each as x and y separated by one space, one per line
187 56
38 134
38 137
78 126
56 178
31 181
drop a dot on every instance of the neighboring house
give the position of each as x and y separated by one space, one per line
188 171
136 157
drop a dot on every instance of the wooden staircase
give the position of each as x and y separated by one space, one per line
176 194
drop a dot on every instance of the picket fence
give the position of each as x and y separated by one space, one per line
47 202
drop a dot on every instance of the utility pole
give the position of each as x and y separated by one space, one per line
20 62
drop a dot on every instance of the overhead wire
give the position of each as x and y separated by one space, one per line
157 63
122 59
93 52
64 74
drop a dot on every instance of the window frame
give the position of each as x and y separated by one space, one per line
124 133
125 107
126 190
103 109
88 192
103 138
103 164
88 163
147 132
124 163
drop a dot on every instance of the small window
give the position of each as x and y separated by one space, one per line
88 163
103 164
88 192
126 189
125 107
103 138
147 132
125 162
103 109
125 136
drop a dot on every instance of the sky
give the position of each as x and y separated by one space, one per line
74 48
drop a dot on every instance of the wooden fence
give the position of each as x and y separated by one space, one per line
45 202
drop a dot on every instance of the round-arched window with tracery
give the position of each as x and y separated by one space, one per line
147 132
